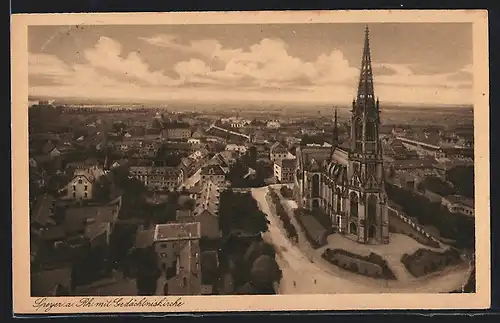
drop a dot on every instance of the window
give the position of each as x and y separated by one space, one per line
80 181
358 129
74 194
85 195
354 204
372 209
86 187
315 185
74 187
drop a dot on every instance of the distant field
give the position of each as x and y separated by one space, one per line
390 113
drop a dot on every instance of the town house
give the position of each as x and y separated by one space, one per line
178 249
82 185
206 211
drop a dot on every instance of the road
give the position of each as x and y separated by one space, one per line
313 276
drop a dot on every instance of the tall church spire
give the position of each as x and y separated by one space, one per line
335 129
366 95
335 136
365 109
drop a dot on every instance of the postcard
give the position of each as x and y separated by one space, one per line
250 161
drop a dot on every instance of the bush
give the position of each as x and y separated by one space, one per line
424 261
331 256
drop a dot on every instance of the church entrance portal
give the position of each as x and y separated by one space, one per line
315 204
353 228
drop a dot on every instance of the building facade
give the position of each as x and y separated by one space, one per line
213 173
459 204
158 178
277 152
348 183
284 170
176 130
82 185
240 149
177 246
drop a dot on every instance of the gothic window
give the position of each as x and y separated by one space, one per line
354 204
339 199
372 209
358 129
371 131
356 168
315 185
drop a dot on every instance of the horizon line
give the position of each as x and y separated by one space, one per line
113 101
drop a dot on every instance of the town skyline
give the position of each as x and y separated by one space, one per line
289 63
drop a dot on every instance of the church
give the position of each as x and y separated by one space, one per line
347 183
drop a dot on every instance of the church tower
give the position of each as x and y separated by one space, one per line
367 215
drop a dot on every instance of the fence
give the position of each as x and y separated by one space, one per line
410 222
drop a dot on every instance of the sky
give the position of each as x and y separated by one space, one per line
413 63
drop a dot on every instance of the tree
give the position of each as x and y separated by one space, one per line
258 249
265 271
147 271
250 157
239 211
236 173
462 178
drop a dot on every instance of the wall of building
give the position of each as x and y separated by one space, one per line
80 188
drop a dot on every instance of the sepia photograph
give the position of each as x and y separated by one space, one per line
222 161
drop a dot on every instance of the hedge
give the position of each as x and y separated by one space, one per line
425 261
373 258
283 215
314 243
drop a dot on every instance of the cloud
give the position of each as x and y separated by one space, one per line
208 48
267 64
264 71
48 66
403 76
106 55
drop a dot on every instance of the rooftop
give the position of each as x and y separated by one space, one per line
212 169
177 231
77 218
42 210
208 200
44 283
